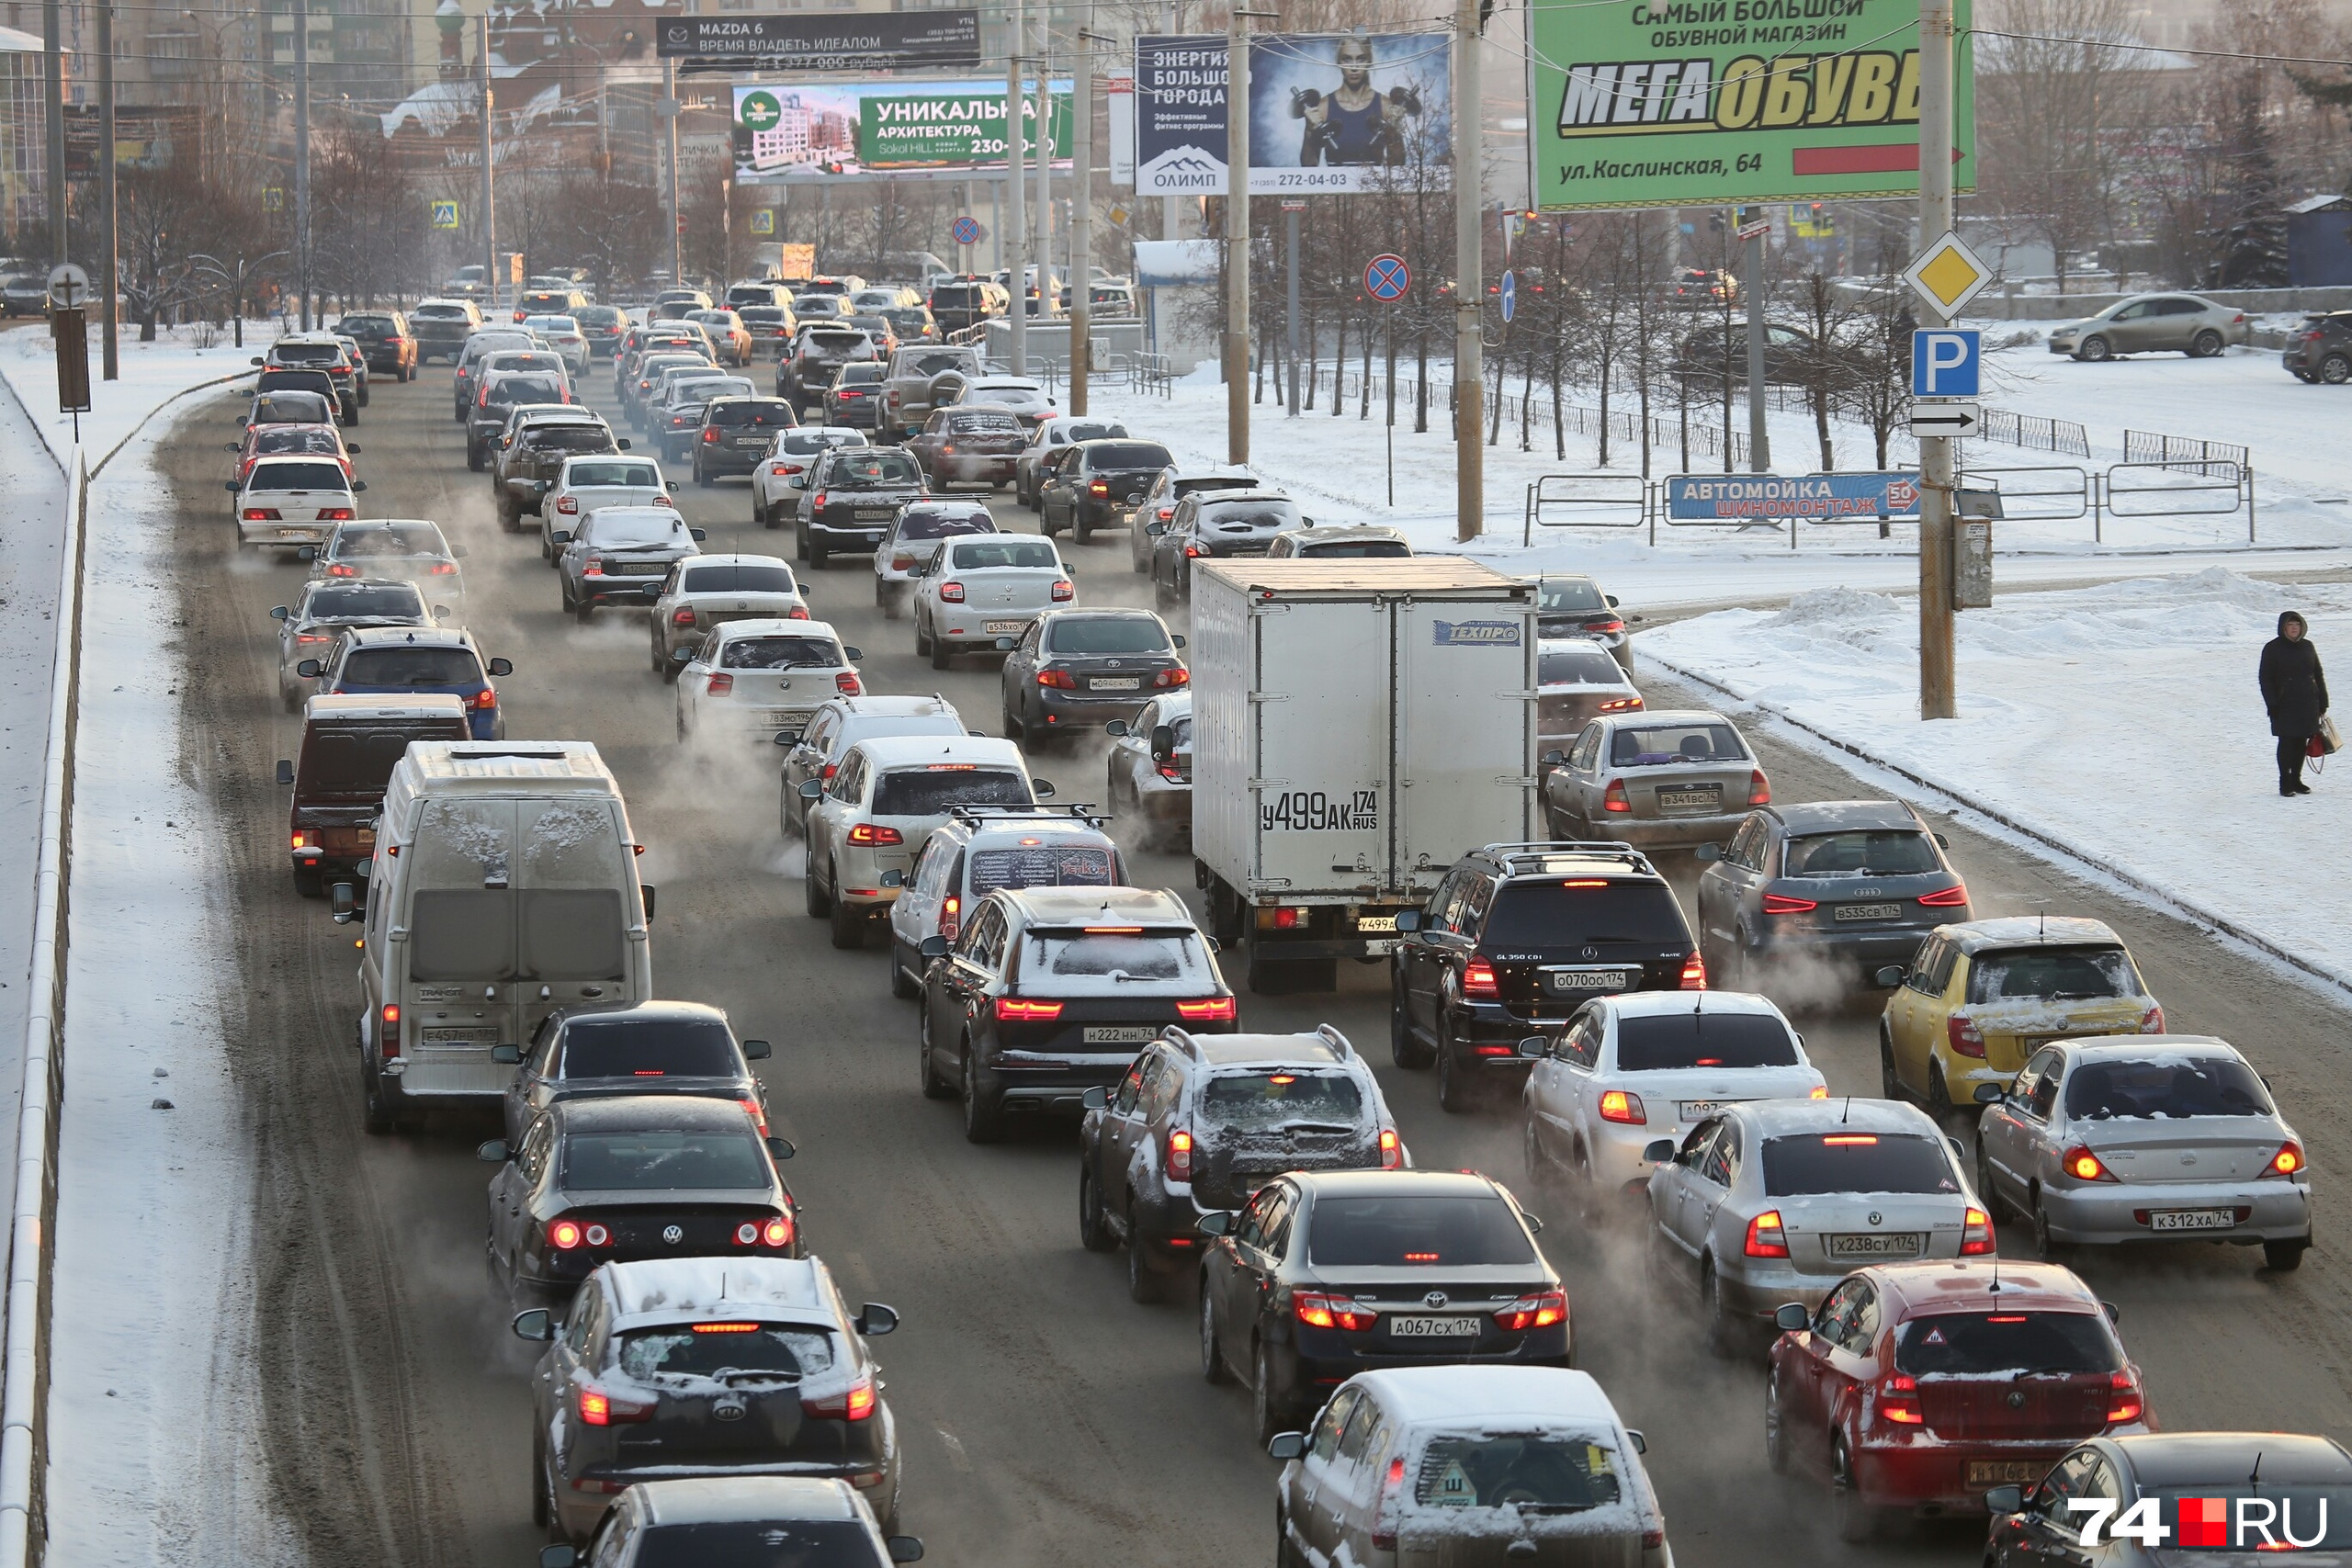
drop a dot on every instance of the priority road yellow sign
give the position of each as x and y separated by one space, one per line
1948 274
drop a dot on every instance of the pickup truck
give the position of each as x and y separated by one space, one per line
920 379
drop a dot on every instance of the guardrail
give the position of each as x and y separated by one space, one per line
1610 495
24 1389
2033 429
2185 452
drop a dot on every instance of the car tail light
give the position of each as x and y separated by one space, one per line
792 467
858 1405
845 681
777 1231
1614 797
1064 590
598 1408
747 1233
339 570
1193 552
2124 1401
1977 1234
1218 1010
483 400
681 617
721 684
759 1113
818 501
1178 1158
2084 1166
1620 705
518 315
1694 972
1539 1311
597 1236
1173 678
710 437
1478 980
902 562
1392 1151
951 913
2287 1161
260 514
388 1037
1766 1239
301 840
1609 627
1964 1037
311 637
1760 788
2153 1020
831 769
798 612
1898 1401
444 568
1318 1310
1624 1106
1014 1009
569 506
1168 770
952 593
1100 486
594 568
874 833
565 1234
1391 1499
1948 898
334 514
1781 904
486 699
1060 680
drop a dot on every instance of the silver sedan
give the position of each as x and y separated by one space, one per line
1669 780
1775 1200
1151 769
2146 1137
2154 323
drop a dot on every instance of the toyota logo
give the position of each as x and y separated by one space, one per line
1434 1298
1874 1217
727 1412
674 1234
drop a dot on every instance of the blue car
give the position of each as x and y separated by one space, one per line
414 661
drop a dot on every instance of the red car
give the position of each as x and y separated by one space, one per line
294 440
1917 1387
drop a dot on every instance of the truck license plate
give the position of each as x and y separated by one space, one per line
1433 1328
1367 923
460 1039
1869 911
2192 1219
1900 1243
1118 1034
872 513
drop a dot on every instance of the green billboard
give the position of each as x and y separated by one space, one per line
934 129
1711 103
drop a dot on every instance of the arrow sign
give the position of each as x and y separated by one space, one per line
1946 418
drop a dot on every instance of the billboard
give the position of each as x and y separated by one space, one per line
869 41
940 130
1328 114
1710 103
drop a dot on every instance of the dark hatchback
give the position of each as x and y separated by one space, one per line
736 433
499 398
1516 939
1326 1274
1217 525
1080 669
385 341
606 1181
1574 606
650 1048
602 325
854 399
851 499
2319 349
804 375
1098 484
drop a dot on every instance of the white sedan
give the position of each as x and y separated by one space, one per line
704 593
586 483
1630 1070
293 501
1026 399
975 591
761 679
779 479
563 333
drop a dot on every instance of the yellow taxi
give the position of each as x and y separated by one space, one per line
1981 998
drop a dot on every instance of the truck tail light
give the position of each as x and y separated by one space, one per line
1013 1009
598 1408
1766 1237
952 593
1965 1039
872 834
1898 1401
1614 797
1478 980
387 1036
721 684
1317 1309
1624 1107
1977 1234
1539 1311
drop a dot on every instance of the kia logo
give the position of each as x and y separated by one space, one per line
1874 1217
735 1412
674 1234
1434 1298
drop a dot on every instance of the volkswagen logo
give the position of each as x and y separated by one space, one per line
1874 1217
1434 1298
674 1234
1588 953
2017 1398
735 1412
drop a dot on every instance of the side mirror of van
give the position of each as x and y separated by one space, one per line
894 879
502 667
757 1050
537 1325
645 891
1042 788
933 947
507 1055
278 611
698 535
780 1147
1117 729
343 903
494 1152
285 771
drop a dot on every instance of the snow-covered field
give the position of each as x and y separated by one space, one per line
2121 720
152 374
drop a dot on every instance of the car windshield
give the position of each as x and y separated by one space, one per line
638 476
513 390
1578 909
1415 1231
2170 1086
1107 634
1107 954
1568 596
919 524
661 1158
1008 550
1799 1164
388 600
1662 1044
873 470
1877 851
780 653
1124 457
737 577
629 526
1669 745
397 667
1040 864
2053 974
1534 1474
397 539
649 1048
297 475
1973 1344
710 1350
755 413
1266 516
1271 1102
935 788
2316 1517
982 422
786 1543
1586 665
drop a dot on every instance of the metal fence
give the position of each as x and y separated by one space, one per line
1588 500
2040 434
2187 453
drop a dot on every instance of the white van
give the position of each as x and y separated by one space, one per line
504 887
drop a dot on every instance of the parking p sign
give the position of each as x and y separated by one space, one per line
1944 362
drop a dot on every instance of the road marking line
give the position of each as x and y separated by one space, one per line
956 1454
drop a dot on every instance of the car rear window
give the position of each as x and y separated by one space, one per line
308 353
623 526
955 296
763 315
1126 455
1358 549
1589 666
763 412
399 539
1568 596
981 421
1268 516
838 342
916 524
439 314
2170 1086
1116 955
569 438
391 599
639 476
864 375
935 365
1801 1164
1560 1474
412 667
780 653
649 1048
295 439
513 390
1267 1102
873 470
1656 1044
1415 1231
659 1158
1004 551
1902 852
297 475
597 316
290 408
2052 974
1663 745
736 578
1574 910
707 1349
1107 634
703 388
366 326
936 788
786 1543
1040 865
1973 1344
507 361
357 759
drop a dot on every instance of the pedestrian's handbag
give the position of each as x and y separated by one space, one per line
2329 740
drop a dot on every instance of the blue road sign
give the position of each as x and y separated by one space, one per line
1386 277
966 231
1511 295
1945 362
1773 498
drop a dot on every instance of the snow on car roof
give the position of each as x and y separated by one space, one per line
735 631
2030 931
2146 1047
909 751
713 1287
1099 905
1852 1113
1491 1396
1675 1004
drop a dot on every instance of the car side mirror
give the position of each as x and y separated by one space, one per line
1286 1445
874 1320
493 1151
1658 1151
502 667
507 1055
698 535
278 611
780 1147
307 552
1096 1098
458 552
757 1050
1155 529
1177 638
1117 729
343 903
558 1557
440 612
1217 1222
1959 1150
2005 1500
560 537
537 1325
1990 1094
1003 645
894 879
622 445
285 771
1707 853
904 1548
811 789
1612 599
359 485
1534 1045
1163 740
1791 1317
1409 921
933 947
1042 788
231 447
1554 758
353 450
853 654
1890 975
670 484
258 360
645 891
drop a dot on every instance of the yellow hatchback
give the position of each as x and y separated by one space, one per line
1981 998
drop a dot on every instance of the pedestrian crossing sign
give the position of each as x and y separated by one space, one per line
445 215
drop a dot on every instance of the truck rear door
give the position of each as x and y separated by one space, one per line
1463 676
1319 710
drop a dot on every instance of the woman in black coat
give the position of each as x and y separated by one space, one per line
2294 689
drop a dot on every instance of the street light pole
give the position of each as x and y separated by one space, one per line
670 110
1016 220
1939 696
301 9
109 257
1469 280
53 84
1237 233
1082 223
489 189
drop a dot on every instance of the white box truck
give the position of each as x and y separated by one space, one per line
1357 727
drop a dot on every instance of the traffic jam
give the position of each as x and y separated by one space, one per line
1108 913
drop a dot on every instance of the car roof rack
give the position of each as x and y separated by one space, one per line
1513 856
1080 811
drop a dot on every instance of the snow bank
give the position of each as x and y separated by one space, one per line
2120 722
152 375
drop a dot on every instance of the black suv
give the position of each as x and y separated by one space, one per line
736 433
526 468
1199 1121
1516 937
852 495
2321 349
1326 1274
804 374
501 395
1097 483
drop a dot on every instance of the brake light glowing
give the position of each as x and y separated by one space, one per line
1694 972
858 1405
339 570
1849 1140
709 437
1317 1310
1540 1311
1100 486
721 684
1766 1239
1392 1493
1760 788
681 617
1964 1037
1976 1234
1173 678
337 514
260 514
2123 1399
877 833
2084 1166
2287 1161
485 699
1620 705
1177 1160
1392 1151
776 1232
1478 980
1624 1106
1013 1009
1060 680
727 1328
1948 898
598 1408
952 593
1898 1401
1782 904
1216 1010
442 568
388 1037
564 1235
595 567
950 917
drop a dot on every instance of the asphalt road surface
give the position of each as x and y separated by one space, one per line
1046 1419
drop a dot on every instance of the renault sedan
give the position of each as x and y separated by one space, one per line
763 678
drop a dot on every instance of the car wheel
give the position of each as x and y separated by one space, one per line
1266 1411
2205 345
813 896
922 637
1776 1435
901 986
819 558
1856 1520
292 699
309 882
933 1086
1722 1329
1093 1230
799 541
702 478
2285 1256
2336 369
1146 1284
942 651
1014 731
982 1123
1939 1104
1213 1368
474 457
2094 350
586 609
1138 564
2046 1248
1079 530
1405 1051
1890 1081
849 921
